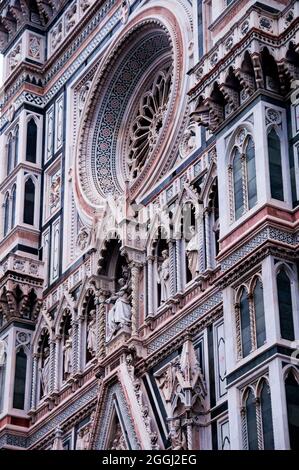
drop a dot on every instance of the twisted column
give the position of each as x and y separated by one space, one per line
252 322
259 427
79 342
101 325
208 239
150 293
189 434
135 269
75 350
57 369
34 381
178 252
172 267
52 365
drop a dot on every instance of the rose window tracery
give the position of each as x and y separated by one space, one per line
131 119
148 121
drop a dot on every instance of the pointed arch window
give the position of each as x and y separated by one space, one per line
245 323
6 215
20 380
251 317
266 416
251 421
29 202
251 173
13 206
284 292
257 417
258 303
238 184
275 165
244 178
292 400
9 154
31 141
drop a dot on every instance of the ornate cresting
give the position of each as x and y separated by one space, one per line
183 389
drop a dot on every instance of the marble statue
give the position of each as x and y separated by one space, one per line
67 352
120 314
192 252
92 334
177 438
164 276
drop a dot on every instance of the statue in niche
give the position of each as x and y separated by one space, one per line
118 442
67 353
83 438
45 371
2 353
177 437
92 334
192 252
164 276
120 314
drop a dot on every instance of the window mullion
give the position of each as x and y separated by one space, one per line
259 426
244 183
252 322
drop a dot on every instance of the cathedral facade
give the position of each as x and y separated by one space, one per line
149 237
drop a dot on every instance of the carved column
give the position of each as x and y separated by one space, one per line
135 270
259 427
179 270
238 331
190 434
244 428
201 239
150 293
208 238
231 193
252 322
75 350
34 381
172 267
52 365
244 183
57 369
101 325
80 342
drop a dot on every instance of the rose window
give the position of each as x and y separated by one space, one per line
148 121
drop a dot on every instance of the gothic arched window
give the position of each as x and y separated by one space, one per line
285 306
245 324
292 400
251 318
29 202
266 415
275 165
258 300
251 421
251 173
6 215
20 380
238 184
9 154
16 146
31 141
13 206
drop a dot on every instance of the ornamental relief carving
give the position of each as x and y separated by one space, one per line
148 121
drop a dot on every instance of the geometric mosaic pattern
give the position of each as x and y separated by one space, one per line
184 323
266 234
